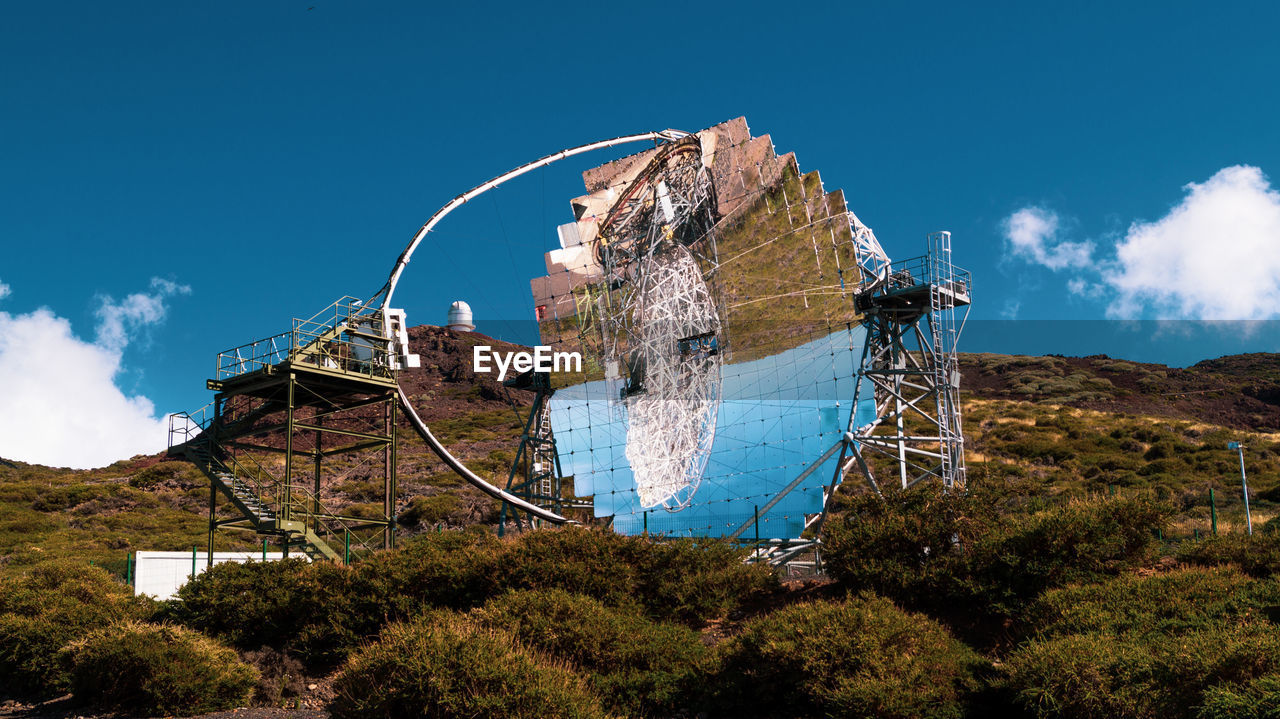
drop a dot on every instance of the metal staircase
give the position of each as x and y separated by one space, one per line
325 388
260 509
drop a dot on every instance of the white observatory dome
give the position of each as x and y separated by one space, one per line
460 317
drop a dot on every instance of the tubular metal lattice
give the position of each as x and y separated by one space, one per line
665 324
914 316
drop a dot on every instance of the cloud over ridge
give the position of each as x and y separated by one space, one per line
1214 256
60 405
1033 234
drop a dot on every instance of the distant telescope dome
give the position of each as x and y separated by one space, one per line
460 317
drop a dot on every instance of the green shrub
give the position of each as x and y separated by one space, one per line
937 551
256 604
907 546
1171 603
671 579
156 669
1155 677
441 665
859 657
1151 646
454 570
1082 541
180 474
40 611
641 667
432 510
365 510
1257 555
1258 699
320 612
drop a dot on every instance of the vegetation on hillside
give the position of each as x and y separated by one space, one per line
1079 577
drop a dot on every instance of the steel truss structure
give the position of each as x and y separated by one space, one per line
659 319
662 321
286 408
914 315
535 475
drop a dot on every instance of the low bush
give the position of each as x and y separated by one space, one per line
433 510
1172 603
156 669
1154 677
441 665
320 612
176 474
858 657
1082 541
936 551
640 667
453 570
1257 555
679 579
287 604
48 606
1258 699
905 545
1154 646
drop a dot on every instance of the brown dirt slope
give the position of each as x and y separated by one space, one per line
1239 391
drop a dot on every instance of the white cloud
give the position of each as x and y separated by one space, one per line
60 405
117 321
1082 287
4 290
1032 233
1214 256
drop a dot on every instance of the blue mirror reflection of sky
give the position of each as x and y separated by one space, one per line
777 416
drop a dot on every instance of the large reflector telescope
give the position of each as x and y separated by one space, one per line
709 285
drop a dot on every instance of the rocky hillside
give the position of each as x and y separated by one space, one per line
1239 391
1055 424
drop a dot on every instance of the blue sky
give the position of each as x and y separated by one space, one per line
180 178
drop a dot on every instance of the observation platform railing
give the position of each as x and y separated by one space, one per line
346 337
925 270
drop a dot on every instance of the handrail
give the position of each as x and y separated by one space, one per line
255 355
192 424
922 270
304 505
259 487
347 335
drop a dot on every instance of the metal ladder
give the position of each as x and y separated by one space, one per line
943 337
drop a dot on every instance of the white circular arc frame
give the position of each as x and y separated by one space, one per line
388 290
